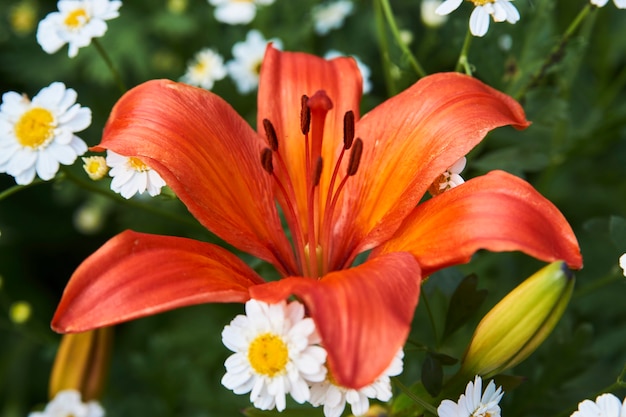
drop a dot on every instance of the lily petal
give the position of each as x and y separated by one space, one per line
362 314
409 140
497 212
209 156
136 275
287 76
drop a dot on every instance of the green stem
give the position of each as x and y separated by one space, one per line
12 190
383 44
89 186
463 62
557 52
109 63
615 275
391 21
424 404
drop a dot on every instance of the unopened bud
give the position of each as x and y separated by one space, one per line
96 167
518 324
81 363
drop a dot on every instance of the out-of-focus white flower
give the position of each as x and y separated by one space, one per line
248 55
334 397
474 403
621 4
237 12
276 354
206 67
131 176
622 263
69 403
76 23
450 178
429 15
364 69
606 405
499 10
330 16
36 136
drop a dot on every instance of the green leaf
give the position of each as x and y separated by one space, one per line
288 412
432 375
617 229
464 302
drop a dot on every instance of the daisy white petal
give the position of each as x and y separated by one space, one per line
37 135
329 16
248 55
622 263
273 354
237 12
450 178
206 67
474 403
448 6
606 405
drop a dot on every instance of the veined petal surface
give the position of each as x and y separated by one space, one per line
363 314
208 155
498 212
136 275
408 141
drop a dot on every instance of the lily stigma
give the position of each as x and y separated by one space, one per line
343 184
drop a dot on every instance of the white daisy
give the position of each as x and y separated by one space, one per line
69 403
364 69
334 397
206 67
621 4
622 264
76 23
474 403
450 178
330 16
276 354
236 12
248 55
499 10
131 176
36 136
606 405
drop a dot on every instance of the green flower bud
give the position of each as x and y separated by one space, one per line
518 324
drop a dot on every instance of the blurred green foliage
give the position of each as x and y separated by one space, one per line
171 364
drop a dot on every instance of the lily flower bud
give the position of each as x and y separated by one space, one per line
81 363
518 324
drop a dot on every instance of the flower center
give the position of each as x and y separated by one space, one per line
268 354
137 164
308 207
76 18
35 128
481 2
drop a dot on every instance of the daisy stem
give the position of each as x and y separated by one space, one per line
463 62
556 54
396 34
86 185
107 59
422 403
12 190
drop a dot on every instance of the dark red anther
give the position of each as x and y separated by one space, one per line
305 115
266 160
348 129
270 133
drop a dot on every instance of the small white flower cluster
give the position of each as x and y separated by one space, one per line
76 23
450 178
278 353
499 10
248 55
620 4
606 405
69 403
474 403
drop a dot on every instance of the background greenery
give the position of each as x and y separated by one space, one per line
171 364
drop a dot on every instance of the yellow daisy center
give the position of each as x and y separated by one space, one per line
34 128
481 2
268 354
76 18
137 165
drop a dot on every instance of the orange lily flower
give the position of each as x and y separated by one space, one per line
343 185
